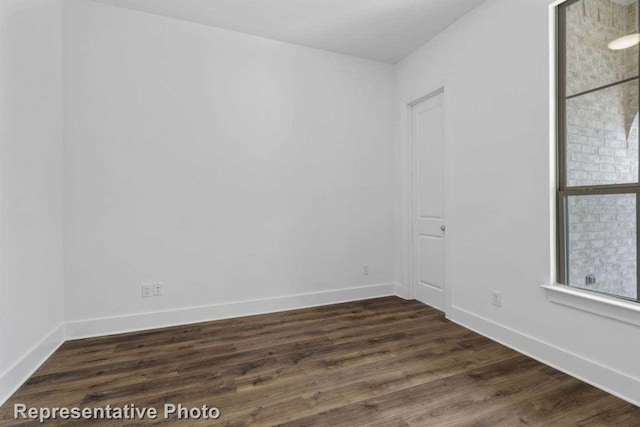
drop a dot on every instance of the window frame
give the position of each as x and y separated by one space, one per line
563 191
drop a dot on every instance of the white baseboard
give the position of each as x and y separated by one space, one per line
603 377
138 322
402 291
16 375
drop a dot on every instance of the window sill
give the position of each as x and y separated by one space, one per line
624 311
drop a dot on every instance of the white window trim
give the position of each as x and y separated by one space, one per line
585 300
592 302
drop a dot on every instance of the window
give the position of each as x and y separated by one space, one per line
598 187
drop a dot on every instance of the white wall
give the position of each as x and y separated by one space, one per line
226 166
497 62
30 185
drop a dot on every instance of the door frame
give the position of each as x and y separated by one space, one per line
406 289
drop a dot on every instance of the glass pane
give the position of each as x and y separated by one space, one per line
602 136
591 26
602 106
602 244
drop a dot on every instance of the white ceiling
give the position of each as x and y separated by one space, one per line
384 30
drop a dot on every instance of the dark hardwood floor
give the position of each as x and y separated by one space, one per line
383 362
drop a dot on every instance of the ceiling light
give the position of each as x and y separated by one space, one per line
625 42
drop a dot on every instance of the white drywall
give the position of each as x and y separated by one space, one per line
496 63
30 186
229 167
383 30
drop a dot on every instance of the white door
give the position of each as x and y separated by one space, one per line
428 201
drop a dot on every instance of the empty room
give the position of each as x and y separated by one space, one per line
319 212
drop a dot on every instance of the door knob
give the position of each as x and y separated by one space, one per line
443 228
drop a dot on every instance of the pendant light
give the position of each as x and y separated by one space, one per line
625 42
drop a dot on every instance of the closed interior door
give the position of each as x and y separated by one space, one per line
428 235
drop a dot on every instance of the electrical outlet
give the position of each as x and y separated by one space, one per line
147 290
157 289
365 270
496 298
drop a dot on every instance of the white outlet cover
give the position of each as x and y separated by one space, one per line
496 298
147 290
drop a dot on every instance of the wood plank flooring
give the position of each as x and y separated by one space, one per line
382 362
